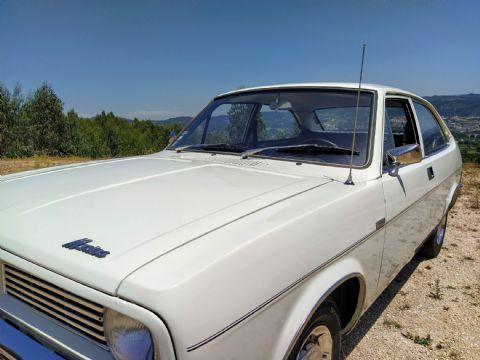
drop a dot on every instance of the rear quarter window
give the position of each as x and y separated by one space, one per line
432 134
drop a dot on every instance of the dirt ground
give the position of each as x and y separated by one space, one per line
430 311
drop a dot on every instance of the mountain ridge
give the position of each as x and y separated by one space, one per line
463 105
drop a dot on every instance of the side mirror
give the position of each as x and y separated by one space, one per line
403 155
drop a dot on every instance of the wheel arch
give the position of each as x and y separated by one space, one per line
348 296
328 283
452 195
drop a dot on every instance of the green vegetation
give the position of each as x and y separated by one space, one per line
469 143
392 323
420 340
35 125
436 292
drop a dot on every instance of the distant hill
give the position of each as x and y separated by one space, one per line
181 120
456 105
467 105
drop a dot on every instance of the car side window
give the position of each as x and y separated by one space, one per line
276 125
400 127
432 134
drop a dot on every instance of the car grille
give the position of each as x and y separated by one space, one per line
6 355
81 315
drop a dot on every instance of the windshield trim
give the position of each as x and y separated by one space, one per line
371 130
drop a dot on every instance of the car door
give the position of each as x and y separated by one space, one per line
407 211
435 145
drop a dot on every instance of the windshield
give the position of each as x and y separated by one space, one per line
302 125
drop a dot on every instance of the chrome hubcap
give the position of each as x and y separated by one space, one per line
317 346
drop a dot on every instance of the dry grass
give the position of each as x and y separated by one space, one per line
8 166
442 319
471 181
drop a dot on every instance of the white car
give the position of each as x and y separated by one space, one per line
245 239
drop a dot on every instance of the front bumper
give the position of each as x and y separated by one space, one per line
25 347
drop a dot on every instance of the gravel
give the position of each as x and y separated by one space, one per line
432 308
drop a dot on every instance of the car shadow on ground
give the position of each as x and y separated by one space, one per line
378 307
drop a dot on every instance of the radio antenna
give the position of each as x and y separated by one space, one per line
349 180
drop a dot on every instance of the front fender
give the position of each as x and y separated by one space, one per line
311 296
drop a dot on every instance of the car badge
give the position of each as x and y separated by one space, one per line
83 246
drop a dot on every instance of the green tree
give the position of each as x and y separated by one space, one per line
45 111
238 116
261 127
15 127
37 126
4 114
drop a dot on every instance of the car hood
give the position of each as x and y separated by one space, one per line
136 208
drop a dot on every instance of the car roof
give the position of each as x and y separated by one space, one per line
319 85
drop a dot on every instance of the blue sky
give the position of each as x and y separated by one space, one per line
156 59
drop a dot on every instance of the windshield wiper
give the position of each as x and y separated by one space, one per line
218 147
302 148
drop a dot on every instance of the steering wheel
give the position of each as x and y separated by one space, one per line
316 140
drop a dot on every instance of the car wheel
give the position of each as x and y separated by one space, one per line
434 244
321 339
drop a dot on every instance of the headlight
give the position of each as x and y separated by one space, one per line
127 338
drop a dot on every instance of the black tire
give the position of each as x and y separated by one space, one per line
328 316
434 243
